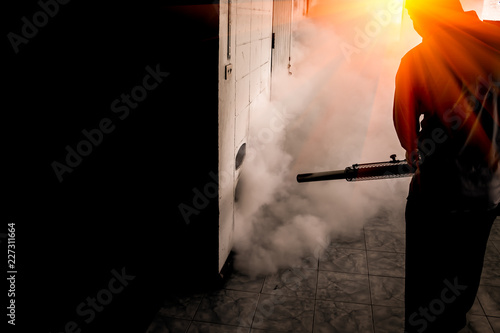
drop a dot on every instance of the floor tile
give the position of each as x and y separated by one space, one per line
243 282
495 324
309 262
181 307
388 319
490 300
491 273
228 307
350 241
199 327
496 244
492 253
495 234
168 325
477 309
385 241
342 317
386 263
343 287
477 324
358 276
386 222
495 230
292 282
387 291
344 260
284 314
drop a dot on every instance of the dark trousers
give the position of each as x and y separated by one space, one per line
444 259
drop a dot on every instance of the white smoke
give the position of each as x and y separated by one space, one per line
333 111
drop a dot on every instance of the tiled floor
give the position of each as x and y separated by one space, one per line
356 286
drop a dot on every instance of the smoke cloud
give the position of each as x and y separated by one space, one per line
334 111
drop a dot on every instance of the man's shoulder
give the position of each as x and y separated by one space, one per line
411 58
413 53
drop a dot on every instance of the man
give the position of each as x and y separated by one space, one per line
446 115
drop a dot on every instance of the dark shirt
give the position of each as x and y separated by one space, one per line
446 107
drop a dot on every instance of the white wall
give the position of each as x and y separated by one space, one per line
252 58
251 26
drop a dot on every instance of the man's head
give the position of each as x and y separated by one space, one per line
428 14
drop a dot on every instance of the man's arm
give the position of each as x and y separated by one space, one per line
405 110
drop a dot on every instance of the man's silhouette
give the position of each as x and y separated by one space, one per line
446 117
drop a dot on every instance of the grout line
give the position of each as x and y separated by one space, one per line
350 302
314 315
316 295
386 251
369 281
480 304
219 324
263 284
491 325
255 313
197 308
189 326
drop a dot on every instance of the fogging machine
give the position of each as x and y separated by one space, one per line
368 171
